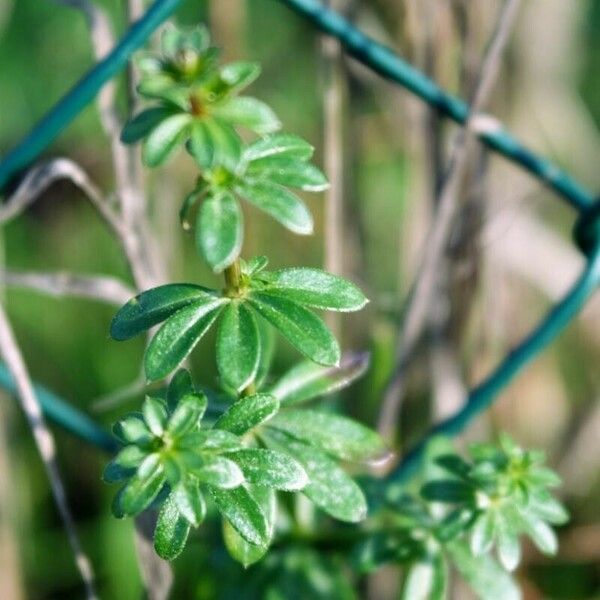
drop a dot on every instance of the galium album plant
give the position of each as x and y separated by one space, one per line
262 442
237 449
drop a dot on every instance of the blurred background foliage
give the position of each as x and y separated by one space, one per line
515 260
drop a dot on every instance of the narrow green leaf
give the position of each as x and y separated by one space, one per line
220 472
426 580
171 532
164 139
254 265
454 464
249 112
487 578
173 467
266 335
418 582
270 469
178 336
447 490
238 346
154 306
189 501
316 288
210 440
302 328
144 486
378 549
201 144
247 413
180 386
115 506
455 523
509 549
243 513
174 39
238 75
547 508
114 472
155 415
329 488
219 230
133 430
227 144
544 477
439 588
281 204
334 434
541 533
130 457
290 172
482 536
509 446
236 545
160 86
143 123
147 62
187 415
283 145
308 380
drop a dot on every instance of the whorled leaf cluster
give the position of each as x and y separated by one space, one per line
468 511
172 457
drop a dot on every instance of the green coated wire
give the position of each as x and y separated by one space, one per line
388 64
63 414
483 395
44 133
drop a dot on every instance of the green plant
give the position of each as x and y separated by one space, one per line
258 437
463 512
261 442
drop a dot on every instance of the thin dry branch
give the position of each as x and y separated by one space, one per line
137 241
157 573
419 301
145 262
102 43
45 445
60 284
40 177
333 149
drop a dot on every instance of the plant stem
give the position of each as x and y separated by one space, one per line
249 390
233 278
233 281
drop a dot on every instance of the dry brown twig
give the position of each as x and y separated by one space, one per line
138 243
45 445
334 94
62 284
40 177
416 313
